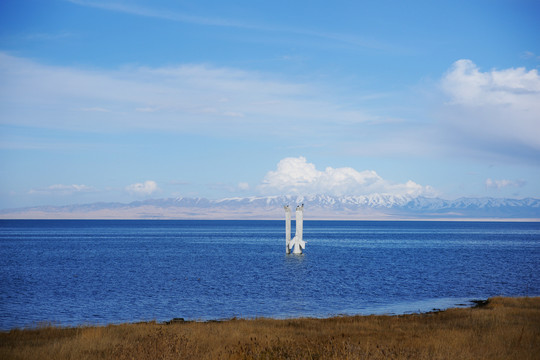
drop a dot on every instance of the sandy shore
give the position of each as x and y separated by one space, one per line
503 328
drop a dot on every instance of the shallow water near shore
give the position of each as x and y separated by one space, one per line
72 272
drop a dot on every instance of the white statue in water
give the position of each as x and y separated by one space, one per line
297 241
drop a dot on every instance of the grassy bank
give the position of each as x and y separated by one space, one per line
505 328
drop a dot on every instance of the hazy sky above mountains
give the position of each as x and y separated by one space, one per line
125 100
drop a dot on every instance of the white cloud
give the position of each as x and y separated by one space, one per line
183 98
61 189
243 186
502 183
469 86
530 55
497 106
298 177
95 109
146 109
146 188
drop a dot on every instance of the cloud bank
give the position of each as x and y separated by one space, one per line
295 176
496 111
494 107
187 98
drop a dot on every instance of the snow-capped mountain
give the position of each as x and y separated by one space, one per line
375 206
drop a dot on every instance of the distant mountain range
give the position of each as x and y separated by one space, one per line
370 207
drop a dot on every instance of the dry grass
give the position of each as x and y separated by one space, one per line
506 328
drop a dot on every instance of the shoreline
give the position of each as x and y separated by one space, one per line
497 328
398 309
476 303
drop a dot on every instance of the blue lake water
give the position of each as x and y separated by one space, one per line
98 272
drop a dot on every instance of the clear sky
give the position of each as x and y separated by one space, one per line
122 100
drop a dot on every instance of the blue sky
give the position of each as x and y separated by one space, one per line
127 100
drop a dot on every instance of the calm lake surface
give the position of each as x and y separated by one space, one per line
72 272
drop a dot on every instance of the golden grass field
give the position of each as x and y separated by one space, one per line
505 328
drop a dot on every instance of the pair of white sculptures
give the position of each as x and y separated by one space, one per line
297 241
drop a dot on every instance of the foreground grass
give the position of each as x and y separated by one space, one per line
505 328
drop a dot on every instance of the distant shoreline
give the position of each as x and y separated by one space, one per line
497 328
318 207
495 220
